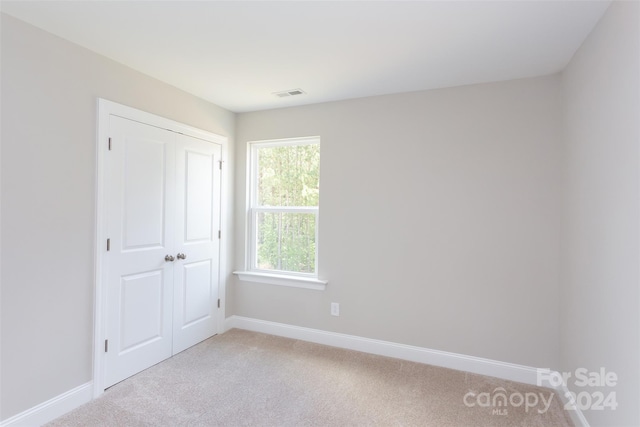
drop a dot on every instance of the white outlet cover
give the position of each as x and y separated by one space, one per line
335 309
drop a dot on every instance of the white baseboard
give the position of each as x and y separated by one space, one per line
460 362
576 414
476 365
52 408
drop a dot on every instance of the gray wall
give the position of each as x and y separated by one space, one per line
439 219
49 92
600 298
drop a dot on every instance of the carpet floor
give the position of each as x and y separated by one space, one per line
244 378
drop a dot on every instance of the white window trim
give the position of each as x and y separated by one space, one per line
282 280
274 277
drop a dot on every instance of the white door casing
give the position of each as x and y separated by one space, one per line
159 194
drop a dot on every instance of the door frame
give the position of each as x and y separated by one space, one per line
106 109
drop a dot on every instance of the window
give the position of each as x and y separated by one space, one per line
284 195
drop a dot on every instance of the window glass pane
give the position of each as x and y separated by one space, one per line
286 241
288 175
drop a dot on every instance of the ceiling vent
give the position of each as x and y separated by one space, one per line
292 92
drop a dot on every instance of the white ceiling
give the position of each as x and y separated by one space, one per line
237 53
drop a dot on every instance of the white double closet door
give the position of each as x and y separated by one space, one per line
163 222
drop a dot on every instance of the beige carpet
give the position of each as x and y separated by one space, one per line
244 378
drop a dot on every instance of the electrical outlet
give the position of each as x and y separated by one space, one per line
335 309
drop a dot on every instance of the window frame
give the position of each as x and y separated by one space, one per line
277 277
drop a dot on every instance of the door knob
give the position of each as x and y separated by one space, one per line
181 256
169 258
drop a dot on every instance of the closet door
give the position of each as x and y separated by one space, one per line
141 228
197 244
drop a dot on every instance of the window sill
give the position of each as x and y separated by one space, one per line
282 280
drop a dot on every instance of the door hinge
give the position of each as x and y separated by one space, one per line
108 245
106 346
219 234
218 302
220 161
109 144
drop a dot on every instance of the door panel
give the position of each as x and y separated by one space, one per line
141 199
198 187
144 192
141 309
196 292
197 225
